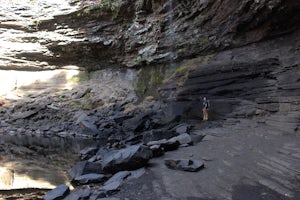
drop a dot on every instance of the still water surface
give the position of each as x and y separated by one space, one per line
36 161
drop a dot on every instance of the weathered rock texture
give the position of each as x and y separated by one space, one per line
139 32
245 53
258 80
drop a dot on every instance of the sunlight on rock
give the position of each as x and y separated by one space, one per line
23 181
11 180
22 44
18 83
6 177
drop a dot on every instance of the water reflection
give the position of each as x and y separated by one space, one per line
38 162
62 145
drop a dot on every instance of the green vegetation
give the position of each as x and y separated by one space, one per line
96 10
181 70
203 41
181 73
60 97
149 79
141 85
82 76
157 77
203 60
99 9
84 105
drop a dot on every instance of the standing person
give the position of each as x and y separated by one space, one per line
205 107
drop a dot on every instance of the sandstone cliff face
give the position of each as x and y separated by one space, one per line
256 80
97 34
244 55
135 33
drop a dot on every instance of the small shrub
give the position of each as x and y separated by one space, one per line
181 70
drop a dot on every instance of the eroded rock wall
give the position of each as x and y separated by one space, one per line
142 32
259 80
243 55
135 33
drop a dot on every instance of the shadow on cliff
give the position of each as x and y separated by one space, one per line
260 80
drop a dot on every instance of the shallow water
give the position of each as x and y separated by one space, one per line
36 161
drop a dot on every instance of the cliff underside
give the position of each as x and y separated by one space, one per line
134 72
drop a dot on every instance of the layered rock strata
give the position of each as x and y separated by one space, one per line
258 80
97 34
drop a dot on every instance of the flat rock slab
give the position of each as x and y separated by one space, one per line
183 128
131 158
58 193
84 167
25 114
182 139
90 178
166 145
185 164
118 177
79 194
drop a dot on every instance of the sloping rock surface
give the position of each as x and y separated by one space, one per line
84 168
130 158
258 80
58 193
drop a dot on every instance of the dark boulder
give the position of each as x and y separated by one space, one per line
87 123
80 194
136 173
158 134
197 138
98 194
182 128
104 152
88 152
115 182
118 177
134 139
89 178
157 150
130 158
166 145
58 193
185 165
168 119
182 139
88 127
141 122
120 117
84 167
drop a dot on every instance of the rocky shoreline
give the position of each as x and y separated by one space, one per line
133 73
113 111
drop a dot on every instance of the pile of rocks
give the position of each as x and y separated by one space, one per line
102 171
